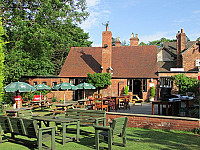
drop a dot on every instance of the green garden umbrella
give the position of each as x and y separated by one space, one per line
64 86
85 86
19 87
41 87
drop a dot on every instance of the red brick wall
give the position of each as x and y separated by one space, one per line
48 80
157 122
189 58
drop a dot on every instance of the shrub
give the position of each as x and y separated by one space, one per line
153 92
126 90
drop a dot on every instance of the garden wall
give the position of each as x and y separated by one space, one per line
157 122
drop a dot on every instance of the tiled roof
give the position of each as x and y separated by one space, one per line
166 65
127 62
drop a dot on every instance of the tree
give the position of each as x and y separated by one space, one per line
185 84
2 57
41 35
157 42
142 44
99 80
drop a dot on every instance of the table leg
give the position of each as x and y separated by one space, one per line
172 109
63 133
167 110
187 108
152 109
77 131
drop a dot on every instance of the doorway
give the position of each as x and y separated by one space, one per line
135 86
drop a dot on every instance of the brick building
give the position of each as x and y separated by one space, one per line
180 56
134 65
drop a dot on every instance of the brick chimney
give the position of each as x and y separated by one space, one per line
134 41
117 42
106 50
181 38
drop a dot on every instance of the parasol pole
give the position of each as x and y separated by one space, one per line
64 97
84 93
40 96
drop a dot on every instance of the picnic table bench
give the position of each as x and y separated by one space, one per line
87 117
27 127
22 112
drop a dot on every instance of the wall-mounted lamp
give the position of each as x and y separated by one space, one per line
105 46
110 68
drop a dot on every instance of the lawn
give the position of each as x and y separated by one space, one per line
138 139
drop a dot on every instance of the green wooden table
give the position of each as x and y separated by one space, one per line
64 123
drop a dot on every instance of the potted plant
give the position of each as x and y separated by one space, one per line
152 93
126 90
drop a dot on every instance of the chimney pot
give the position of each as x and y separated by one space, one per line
182 30
134 40
117 42
132 35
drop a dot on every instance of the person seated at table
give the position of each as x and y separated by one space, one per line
18 98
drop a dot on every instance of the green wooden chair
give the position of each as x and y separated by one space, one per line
117 129
27 127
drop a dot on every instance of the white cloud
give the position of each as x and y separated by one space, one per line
91 3
98 13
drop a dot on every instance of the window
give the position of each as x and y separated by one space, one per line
166 82
129 82
44 83
72 81
54 83
144 85
34 83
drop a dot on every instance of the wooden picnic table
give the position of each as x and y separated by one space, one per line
39 104
64 123
61 108
172 104
13 112
117 98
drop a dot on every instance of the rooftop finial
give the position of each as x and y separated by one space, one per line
107 23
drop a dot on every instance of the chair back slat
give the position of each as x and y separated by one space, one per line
16 125
5 124
30 127
119 125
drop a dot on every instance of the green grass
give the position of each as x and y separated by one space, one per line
137 139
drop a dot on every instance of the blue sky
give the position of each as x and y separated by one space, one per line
150 19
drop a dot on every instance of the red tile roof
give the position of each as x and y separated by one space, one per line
127 62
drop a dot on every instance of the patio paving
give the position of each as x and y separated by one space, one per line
146 108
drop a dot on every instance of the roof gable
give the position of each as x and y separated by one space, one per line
127 62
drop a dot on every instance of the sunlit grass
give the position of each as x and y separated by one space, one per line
137 139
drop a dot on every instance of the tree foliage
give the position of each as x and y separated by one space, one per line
2 57
41 34
185 84
99 80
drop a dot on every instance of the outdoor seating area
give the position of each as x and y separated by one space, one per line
74 127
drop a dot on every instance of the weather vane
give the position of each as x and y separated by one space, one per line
107 23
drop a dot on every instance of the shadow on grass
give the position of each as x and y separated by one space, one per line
164 139
27 143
